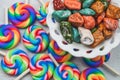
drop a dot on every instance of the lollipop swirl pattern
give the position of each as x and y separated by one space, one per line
15 62
35 39
42 14
98 61
59 54
66 71
21 15
92 74
9 36
41 67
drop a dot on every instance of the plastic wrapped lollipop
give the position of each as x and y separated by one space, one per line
41 67
92 74
14 62
65 71
42 13
99 61
9 34
59 54
22 15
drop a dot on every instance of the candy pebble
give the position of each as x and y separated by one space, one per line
76 20
98 37
42 14
100 18
61 15
15 62
66 30
66 71
76 35
89 22
106 33
59 54
21 15
87 3
41 67
111 24
98 7
92 74
9 36
35 39
86 36
93 30
58 5
98 61
72 4
87 12
106 3
113 12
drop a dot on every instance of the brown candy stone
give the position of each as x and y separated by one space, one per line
98 37
72 4
111 24
98 7
89 22
76 20
106 33
113 12
58 5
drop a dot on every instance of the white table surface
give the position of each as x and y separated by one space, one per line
114 61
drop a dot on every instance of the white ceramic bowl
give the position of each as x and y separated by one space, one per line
80 50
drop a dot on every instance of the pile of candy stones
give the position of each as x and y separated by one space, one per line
89 22
36 40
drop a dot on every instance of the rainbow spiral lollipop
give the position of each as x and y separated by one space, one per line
42 14
92 74
98 61
21 15
15 62
9 36
66 71
59 54
35 39
41 67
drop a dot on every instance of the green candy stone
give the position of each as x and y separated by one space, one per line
61 15
75 11
94 29
106 3
87 3
76 35
66 30
87 11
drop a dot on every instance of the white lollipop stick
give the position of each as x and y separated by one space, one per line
23 74
41 1
3 54
6 16
56 63
26 1
111 69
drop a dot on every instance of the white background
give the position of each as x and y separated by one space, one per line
114 61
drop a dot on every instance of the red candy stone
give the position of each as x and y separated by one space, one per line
76 20
111 24
72 4
89 22
100 18
58 5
